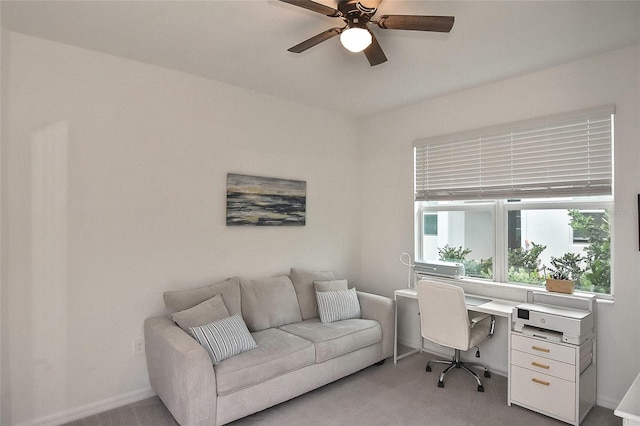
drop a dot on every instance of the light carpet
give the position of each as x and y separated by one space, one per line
387 395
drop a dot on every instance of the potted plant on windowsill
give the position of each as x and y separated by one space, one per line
560 277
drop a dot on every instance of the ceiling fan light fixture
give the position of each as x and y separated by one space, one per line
355 39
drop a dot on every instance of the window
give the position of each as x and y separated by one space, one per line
465 235
595 218
430 224
507 201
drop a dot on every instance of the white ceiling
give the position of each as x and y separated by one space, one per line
245 42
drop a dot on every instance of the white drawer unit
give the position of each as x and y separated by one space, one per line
544 393
548 366
552 378
543 348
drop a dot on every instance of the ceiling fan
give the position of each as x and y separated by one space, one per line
357 14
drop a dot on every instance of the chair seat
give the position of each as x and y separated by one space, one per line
444 319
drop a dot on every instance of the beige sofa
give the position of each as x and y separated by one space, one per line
295 352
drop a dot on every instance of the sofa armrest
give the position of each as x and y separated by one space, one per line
180 372
381 309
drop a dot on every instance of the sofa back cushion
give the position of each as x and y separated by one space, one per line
209 311
331 285
184 299
269 302
305 292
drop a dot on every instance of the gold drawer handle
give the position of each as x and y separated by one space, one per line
540 382
538 348
535 364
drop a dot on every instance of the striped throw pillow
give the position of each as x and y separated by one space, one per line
338 305
224 338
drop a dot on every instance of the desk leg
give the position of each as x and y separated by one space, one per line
395 334
396 356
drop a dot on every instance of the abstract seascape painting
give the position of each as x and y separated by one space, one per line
262 201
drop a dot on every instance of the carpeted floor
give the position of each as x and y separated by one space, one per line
402 394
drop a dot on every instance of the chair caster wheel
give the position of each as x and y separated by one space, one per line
428 368
440 384
487 374
480 388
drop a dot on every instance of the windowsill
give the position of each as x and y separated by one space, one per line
515 292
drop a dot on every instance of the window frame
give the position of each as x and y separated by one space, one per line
519 160
500 210
477 206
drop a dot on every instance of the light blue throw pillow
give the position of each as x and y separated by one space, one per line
338 305
224 338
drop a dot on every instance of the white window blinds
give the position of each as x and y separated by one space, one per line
562 155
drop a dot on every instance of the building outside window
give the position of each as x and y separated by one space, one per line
508 201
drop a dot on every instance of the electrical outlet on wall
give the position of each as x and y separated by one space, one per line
138 346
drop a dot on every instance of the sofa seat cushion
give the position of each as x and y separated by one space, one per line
278 353
337 338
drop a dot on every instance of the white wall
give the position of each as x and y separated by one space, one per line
387 193
3 128
114 177
550 228
135 191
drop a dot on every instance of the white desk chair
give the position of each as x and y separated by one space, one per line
444 320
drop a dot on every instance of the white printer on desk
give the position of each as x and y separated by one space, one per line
553 323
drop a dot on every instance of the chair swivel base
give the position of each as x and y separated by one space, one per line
457 363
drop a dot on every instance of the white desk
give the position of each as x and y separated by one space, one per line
497 307
629 407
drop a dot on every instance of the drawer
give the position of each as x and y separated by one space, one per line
544 349
543 365
541 392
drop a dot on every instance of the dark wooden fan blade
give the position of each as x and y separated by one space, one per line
442 24
315 7
374 52
307 44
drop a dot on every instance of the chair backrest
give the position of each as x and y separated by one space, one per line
443 314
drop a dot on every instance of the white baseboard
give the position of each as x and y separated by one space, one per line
607 403
411 343
91 409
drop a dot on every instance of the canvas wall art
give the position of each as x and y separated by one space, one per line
263 201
